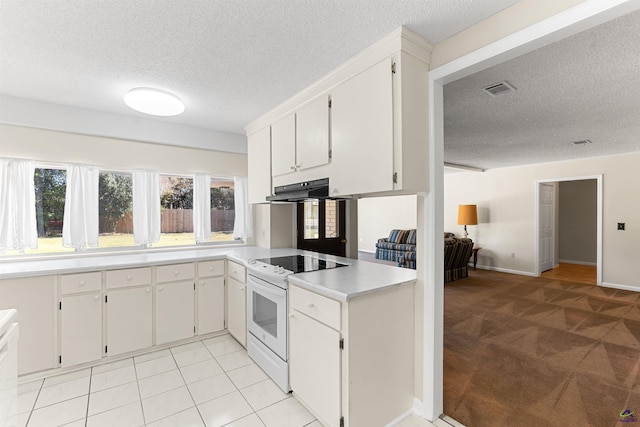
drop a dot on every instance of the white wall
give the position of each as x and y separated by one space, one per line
274 225
377 216
43 115
63 147
506 212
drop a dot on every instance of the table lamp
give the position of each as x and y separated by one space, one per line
467 215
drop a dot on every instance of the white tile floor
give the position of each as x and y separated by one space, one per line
205 383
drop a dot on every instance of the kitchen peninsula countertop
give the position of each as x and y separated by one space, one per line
341 284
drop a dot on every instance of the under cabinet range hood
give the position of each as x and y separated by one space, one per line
316 189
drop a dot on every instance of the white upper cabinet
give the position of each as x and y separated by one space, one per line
300 140
378 122
312 134
362 132
283 146
259 165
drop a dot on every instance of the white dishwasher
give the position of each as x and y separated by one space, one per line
8 367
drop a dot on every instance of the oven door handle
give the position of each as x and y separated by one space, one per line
278 292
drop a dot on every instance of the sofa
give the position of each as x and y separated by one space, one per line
457 252
399 247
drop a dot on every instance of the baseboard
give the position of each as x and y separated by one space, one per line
506 270
400 418
445 421
418 406
623 287
569 261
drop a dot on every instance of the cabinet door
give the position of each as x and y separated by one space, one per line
210 305
237 311
81 329
175 306
314 366
283 146
362 132
259 165
129 320
312 134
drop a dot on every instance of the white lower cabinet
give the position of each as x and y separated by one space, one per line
129 319
174 311
315 375
80 328
210 305
351 362
237 310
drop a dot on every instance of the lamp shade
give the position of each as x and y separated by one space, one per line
467 215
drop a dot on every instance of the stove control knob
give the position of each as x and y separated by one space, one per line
252 261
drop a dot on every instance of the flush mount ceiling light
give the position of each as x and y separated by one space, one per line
153 101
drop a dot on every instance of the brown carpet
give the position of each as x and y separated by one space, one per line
523 351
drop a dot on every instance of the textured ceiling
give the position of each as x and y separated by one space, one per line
584 87
228 60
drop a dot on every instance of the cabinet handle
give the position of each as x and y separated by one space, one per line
96 297
291 316
210 268
129 277
242 288
82 283
160 288
310 305
201 283
147 290
176 272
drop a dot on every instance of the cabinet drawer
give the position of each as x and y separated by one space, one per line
321 308
211 268
171 273
237 272
83 282
128 277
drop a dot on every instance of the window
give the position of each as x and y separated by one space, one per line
222 210
50 188
311 219
176 214
115 210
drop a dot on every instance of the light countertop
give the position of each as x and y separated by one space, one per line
359 278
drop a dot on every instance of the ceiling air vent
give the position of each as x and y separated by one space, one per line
584 141
499 88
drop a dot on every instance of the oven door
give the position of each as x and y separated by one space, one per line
267 314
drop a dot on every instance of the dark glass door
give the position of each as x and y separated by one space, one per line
322 227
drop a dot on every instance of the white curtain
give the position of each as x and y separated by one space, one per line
80 225
243 225
202 207
146 207
18 228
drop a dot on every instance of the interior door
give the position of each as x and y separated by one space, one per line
546 236
322 227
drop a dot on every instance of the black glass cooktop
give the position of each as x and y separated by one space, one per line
301 263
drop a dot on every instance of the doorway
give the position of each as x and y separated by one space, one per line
567 247
321 226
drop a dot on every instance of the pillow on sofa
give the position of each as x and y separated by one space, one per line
411 236
448 235
397 236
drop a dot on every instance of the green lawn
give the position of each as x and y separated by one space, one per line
54 244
